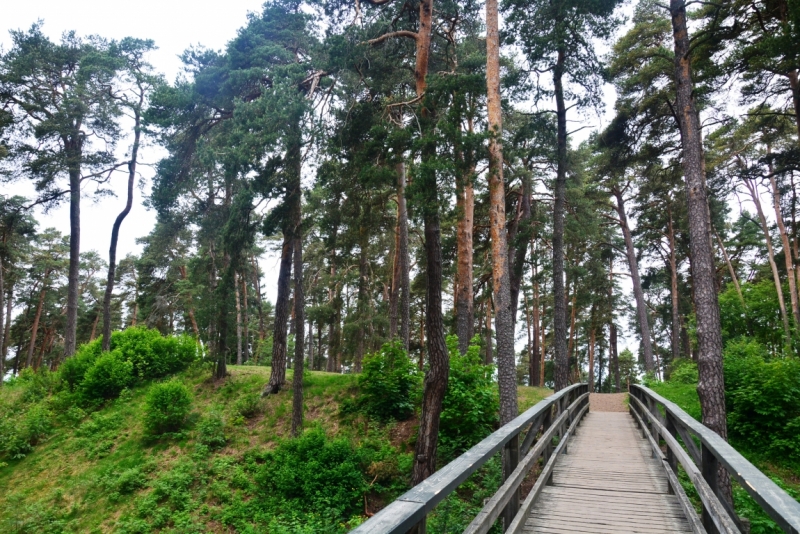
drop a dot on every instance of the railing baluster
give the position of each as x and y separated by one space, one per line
510 462
709 469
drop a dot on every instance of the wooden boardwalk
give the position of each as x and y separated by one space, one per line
608 483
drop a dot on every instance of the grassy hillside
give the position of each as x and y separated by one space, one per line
231 469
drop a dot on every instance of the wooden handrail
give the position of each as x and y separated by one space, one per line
412 507
715 451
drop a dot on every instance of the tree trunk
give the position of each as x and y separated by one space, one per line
787 250
517 253
675 334
710 388
299 335
752 188
535 374
278 372
7 328
641 307
731 270
561 367
405 280
238 318
612 349
245 322
394 290
435 383
259 300
73 276
465 314
489 357
363 296
35 327
330 365
93 334
112 249
189 306
572 329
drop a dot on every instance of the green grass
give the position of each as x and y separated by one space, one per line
98 471
786 476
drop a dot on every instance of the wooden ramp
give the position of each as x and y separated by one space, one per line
607 483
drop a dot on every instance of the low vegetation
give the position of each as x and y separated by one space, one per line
179 452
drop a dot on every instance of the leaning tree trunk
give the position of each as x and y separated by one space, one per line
711 386
501 279
752 188
112 249
561 367
465 313
731 270
787 251
36 318
278 372
299 334
641 307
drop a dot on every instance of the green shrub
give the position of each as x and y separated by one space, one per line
471 404
153 355
386 385
314 475
18 435
763 399
683 371
74 368
166 407
211 431
109 375
249 406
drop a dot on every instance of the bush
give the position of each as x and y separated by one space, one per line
386 385
471 404
313 475
74 369
249 406
109 375
19 435
763 399
166 407
211 431
683 371
153 355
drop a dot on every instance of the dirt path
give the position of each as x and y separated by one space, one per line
608 402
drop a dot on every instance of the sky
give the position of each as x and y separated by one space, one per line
174 27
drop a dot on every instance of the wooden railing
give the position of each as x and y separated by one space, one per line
660 420
531 435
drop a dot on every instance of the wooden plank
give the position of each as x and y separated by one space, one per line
609 483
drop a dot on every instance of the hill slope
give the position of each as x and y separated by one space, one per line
231 470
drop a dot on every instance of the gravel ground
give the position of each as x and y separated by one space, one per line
608 402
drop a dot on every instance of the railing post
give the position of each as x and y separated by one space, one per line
510 462
671 459
709 470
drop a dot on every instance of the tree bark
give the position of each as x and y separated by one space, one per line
238 317
299 335
731 270
535 372
517 253
257 286
7 328
405 280
612 349
489 357
641 307
36 318
2 322
675 334
591 359
752 188
73 276
787 250
501 279
245 321
278 372
465 313
112 249
710 388
561 367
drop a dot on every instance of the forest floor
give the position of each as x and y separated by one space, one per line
98 472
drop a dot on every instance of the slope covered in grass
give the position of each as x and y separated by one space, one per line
231 468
